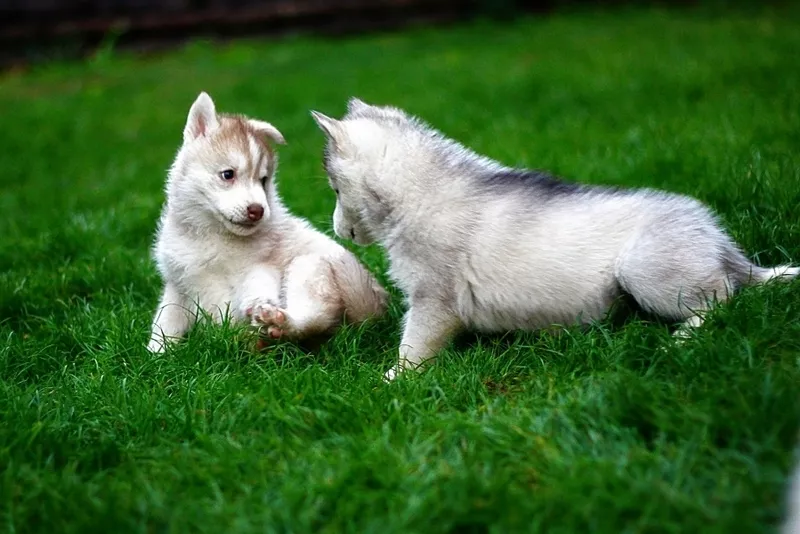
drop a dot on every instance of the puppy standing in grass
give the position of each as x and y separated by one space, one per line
474 244
227 244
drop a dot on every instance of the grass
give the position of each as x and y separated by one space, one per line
582 431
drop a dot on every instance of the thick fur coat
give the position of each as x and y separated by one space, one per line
474 244
226 244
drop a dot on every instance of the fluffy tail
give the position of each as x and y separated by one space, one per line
743 272
361 293
780 272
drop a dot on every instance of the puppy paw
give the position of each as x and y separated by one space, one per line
270 319
403 366
158 343
262 313
391 374
156 346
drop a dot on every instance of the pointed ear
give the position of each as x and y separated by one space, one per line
331 127
356 104
202 118
266 129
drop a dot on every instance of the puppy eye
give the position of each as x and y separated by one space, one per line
227 174
264 181
336 190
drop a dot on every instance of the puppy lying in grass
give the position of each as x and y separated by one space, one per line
475 244
227 244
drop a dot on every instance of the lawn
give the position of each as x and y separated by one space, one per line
592 430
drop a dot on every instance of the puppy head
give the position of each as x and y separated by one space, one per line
356 146
224 170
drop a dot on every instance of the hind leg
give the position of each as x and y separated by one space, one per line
676 274
310 305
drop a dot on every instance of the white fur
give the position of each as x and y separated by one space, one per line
474 244
277 272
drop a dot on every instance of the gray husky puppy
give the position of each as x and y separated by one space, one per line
474 244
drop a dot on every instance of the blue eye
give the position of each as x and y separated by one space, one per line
227 174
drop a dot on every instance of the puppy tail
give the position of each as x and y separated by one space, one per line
783 272
748 274
362 295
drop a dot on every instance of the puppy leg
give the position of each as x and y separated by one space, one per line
171 321
428 328
312 303
259 293
677 273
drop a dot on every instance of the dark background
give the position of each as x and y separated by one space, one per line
32 30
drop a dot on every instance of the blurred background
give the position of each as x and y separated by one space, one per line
48 29
591 431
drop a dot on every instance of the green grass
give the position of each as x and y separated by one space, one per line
586 431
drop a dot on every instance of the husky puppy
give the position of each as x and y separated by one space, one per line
226 243
478 245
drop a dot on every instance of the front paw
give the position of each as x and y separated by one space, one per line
401 367
269 317
157 344
392 373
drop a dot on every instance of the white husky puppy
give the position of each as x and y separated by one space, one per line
227 244
475 244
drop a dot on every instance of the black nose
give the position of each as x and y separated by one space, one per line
255 212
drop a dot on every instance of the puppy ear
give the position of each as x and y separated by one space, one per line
202 118
267 130
356 104
331 127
